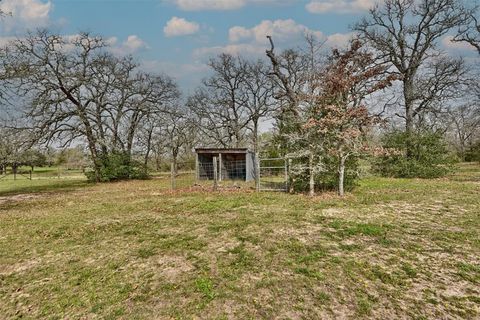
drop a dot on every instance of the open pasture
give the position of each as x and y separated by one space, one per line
394 248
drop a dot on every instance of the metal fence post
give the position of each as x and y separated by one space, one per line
215 174
220 168
197 168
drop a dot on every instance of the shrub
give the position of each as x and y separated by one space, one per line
119 166
473 153
327 178
429 156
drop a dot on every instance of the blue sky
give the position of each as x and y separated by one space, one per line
178 36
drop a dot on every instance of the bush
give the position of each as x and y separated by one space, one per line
327 179
119 166
429 156
473 153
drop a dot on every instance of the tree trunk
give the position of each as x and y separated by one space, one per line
255 136
158 161
149 148
131 134
91 141
409 115
341 177
175 161
462 143
312 175
145 161
97 163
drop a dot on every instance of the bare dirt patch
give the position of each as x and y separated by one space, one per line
19 198
19 267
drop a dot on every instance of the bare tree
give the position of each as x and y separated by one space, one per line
296 77
289 76
14 148
233 101
465 126
76 90
211 119
177 133
218 103
471 32
257 94
405 34
55 75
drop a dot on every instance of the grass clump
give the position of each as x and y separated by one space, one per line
205 287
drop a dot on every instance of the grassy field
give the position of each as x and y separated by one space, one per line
42 173
134 250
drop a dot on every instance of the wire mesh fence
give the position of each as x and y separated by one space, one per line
222 174
233 170
41 174
183 175
234 174
206 171
273 175
16 175
215 174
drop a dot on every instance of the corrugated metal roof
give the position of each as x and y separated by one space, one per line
222 150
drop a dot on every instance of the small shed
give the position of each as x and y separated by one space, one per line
232 163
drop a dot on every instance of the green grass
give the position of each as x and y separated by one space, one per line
46 172
39 186
394 248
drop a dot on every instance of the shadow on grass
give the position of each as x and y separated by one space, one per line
10 188
466 172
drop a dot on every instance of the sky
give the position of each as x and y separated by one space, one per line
178 37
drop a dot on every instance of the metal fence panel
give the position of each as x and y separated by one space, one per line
231 174
41 174
273 175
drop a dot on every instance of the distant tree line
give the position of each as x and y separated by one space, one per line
15 154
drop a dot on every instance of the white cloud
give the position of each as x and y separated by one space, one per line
180 27
131 45
198 5
236 34
253 41
280 30
339 6
25 14
245 49
286 34
134 43
338 40
449 44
